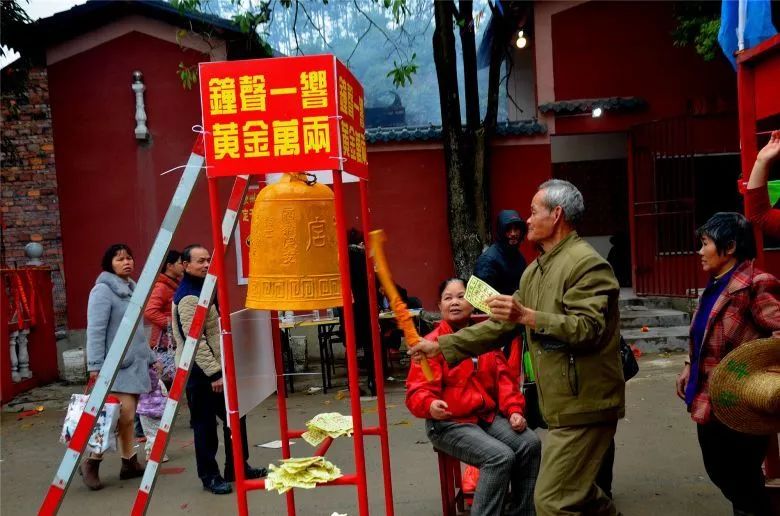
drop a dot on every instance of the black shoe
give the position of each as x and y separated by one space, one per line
250 473
217 485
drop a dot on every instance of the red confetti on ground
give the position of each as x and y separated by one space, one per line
27 413
171 471
645 329
184 505
636 351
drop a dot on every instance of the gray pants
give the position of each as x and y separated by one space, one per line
501 454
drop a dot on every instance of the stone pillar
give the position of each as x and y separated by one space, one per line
141 131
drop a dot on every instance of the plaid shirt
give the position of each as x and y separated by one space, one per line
748 309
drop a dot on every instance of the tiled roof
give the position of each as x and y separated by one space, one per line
95 13
433 132
576 106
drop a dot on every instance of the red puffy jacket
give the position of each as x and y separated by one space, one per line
473 392
158 309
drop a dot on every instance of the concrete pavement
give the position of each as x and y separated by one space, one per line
658 468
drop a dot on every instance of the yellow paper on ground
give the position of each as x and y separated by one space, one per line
303 473
328 424
477 291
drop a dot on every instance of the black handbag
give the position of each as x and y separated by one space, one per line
630 365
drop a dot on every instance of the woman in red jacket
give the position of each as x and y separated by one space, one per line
158 312
757 207
474 412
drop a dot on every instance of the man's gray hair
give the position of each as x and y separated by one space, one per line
564 194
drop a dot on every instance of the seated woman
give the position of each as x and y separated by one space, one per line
474 412
757 207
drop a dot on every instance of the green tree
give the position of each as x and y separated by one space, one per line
698 24
13 18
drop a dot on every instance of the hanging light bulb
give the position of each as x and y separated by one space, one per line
597 112
521 42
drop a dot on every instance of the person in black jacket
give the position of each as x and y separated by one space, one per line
502 264
362 312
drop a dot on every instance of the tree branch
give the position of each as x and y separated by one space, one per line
398 51
295 30
317 28
357 44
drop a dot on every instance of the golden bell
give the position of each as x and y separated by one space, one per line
293 254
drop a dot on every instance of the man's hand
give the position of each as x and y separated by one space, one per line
518 422
424 348
439 410
682 381
217 386
506 308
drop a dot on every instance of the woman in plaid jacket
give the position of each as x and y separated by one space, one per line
740 303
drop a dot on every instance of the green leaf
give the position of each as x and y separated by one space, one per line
403 72
188 75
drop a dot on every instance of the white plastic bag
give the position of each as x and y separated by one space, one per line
103 436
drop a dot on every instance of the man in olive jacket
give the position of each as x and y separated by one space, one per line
568 301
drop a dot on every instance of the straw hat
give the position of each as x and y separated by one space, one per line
745 388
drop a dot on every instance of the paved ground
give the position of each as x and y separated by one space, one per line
658 469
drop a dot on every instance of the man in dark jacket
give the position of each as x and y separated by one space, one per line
205 385
502 264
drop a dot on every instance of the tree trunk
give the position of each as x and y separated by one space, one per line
466 244
474 135
485 137
469 46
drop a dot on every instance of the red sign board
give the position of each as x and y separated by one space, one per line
286 114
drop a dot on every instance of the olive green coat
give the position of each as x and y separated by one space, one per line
575 345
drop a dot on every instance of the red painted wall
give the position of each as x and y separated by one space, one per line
408 196
604 49
408 199
110 186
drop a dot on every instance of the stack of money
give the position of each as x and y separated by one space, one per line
328 424
302 472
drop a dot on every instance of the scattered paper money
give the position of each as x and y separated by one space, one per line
477 291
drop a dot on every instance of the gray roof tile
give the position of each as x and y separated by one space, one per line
433 132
